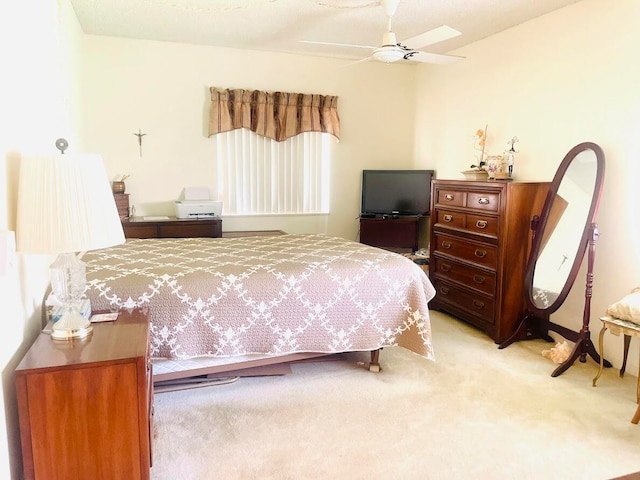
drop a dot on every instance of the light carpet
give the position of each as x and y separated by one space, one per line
475 413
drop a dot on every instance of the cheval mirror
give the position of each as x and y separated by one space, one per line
561 235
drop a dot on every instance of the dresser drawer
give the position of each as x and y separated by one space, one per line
481 224
140 231
476 252
193 230
483 201
475 304
454 198
450 218
469 276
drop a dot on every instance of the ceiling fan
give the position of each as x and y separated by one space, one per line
391 50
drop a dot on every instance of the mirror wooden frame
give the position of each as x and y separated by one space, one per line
536 322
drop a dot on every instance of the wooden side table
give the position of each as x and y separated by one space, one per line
628 329
85 406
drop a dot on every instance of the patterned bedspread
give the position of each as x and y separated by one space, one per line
265 295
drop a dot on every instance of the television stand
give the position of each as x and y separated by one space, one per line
386 231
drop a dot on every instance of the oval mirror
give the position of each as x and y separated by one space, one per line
564 228
563 231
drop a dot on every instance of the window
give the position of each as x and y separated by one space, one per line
258 175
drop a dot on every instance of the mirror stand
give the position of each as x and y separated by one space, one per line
538 326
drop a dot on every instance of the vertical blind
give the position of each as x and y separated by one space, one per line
259 175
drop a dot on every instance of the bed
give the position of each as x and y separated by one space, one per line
218 304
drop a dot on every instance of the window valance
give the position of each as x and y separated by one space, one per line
276 115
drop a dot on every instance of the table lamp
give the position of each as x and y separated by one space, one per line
65 206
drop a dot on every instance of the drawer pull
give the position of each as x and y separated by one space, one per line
478 304
447 218
446 244
448 197
445 267
481 224
444 290
483 200
479 279
480 253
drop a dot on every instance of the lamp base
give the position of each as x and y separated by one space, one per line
71 333
72 325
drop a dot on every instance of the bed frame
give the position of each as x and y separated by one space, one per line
212 374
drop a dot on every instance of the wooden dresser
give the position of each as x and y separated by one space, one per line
122 204
86 406
480 241
171 227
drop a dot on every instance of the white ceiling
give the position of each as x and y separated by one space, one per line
282 25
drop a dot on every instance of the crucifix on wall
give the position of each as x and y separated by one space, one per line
140 135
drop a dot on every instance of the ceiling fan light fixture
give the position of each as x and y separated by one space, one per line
388 54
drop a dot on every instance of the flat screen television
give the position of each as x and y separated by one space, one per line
396 192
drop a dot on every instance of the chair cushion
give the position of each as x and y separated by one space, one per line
628 308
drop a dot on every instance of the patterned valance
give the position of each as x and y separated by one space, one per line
276 115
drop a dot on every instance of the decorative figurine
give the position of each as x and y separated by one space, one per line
511 155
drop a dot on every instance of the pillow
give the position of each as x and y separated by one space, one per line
628 308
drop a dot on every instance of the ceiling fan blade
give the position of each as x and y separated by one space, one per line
439 34
362 60
437 58
338 44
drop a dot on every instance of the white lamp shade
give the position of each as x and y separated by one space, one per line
65 204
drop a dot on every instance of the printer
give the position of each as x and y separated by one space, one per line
197 204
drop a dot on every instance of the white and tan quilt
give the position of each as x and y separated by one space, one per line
265 295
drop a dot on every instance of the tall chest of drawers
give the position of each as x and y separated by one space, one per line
480 242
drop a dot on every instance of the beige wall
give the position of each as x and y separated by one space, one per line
562 79
162 89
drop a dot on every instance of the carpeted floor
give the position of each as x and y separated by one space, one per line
475 413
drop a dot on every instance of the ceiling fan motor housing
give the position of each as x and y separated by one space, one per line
390 51
389 39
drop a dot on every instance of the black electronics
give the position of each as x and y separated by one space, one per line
396 192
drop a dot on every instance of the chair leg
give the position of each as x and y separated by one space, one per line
627 341
601 344
636 417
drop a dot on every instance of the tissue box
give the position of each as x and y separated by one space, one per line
56 312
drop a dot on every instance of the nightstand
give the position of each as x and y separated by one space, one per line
85 406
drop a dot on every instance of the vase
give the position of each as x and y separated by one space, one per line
118 187
495 166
